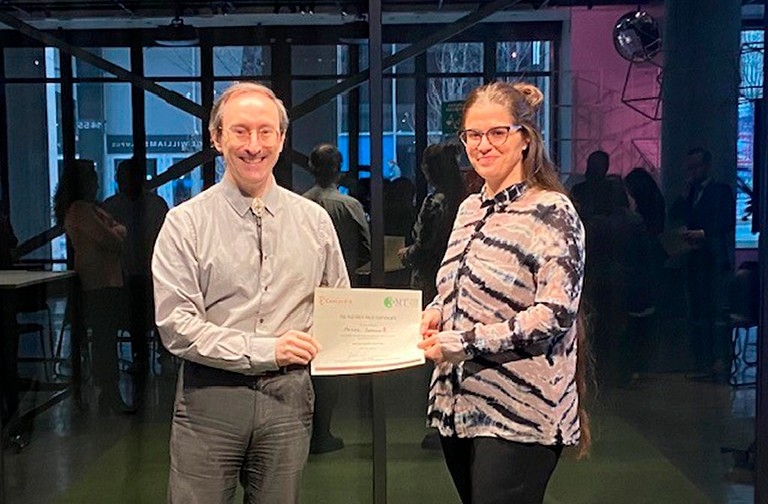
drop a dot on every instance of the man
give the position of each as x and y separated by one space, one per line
351 227
593 195
142 213
235 270
711 224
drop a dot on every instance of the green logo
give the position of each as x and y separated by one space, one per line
389 302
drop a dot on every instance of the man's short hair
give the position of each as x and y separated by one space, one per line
325 163
214 123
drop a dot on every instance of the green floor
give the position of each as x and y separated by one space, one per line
623 468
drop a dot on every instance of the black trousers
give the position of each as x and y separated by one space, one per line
489 470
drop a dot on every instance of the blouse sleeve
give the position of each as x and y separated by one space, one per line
558 273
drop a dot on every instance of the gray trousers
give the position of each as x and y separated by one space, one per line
229 427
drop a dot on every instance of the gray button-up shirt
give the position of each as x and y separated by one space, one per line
225 290
348 218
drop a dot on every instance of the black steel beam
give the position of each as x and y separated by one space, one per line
172 97
441 35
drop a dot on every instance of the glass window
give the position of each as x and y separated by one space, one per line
32 62
319 60
461 57
120 56
172 61
752 54
103 128
406 66
752 50
241 61
34 151
173 135
525 56
446 89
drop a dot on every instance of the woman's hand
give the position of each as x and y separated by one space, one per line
432 349
430 322
429 329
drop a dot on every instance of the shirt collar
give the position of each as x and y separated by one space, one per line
503 198
241 202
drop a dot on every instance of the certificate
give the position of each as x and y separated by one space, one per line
366 330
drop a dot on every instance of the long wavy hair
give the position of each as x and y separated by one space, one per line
78 181
522 100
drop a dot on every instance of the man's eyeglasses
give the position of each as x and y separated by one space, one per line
496 136
268 137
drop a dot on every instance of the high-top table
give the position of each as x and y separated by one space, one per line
14 284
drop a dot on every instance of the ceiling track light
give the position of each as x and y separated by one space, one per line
176 34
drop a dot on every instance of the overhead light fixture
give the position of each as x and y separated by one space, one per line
176 34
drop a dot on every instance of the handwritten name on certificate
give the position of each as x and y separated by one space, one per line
366 330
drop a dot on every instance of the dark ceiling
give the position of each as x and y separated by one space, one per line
155 8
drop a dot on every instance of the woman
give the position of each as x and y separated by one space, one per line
97 241
648 257
649 202
435 219
503 329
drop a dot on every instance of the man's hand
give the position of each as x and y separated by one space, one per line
401 253
295 347
694 237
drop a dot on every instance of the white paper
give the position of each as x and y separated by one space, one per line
366 330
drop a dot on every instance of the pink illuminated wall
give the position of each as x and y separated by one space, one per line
600 120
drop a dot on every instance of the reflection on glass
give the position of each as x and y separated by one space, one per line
32 62
319 60
120 56
241 61
445 90
103 128
34 151
172 61
523 56
173 135
458 57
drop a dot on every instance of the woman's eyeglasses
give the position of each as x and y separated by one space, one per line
496 136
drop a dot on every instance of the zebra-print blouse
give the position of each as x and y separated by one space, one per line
508 290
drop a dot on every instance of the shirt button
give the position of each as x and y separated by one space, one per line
266 288
261 321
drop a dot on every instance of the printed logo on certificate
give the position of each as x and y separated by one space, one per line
366 330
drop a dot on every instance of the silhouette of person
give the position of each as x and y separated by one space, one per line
433 224
351 227
97 241
711 225
649 257
432 228
589 195
649 201
142 213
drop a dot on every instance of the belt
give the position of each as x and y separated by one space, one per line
198 375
